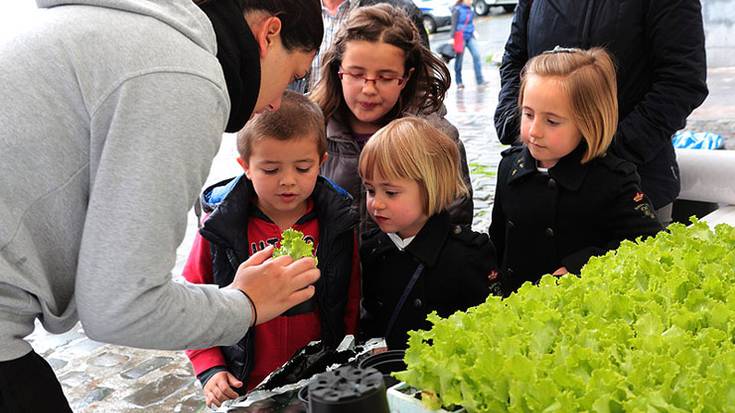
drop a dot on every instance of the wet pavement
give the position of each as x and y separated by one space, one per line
104 378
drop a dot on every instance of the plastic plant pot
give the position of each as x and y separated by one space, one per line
387 362
348 389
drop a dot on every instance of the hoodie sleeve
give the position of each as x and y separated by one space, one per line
152 142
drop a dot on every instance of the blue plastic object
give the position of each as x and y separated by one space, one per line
697 140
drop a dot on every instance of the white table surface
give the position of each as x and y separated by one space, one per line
724 215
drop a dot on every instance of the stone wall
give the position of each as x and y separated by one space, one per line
719 30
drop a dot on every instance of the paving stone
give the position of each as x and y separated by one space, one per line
192 404
81 347
146 367
57 364
158 390
108 359
96 395
46 344
74 378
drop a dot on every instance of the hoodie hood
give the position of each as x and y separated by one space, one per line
183 15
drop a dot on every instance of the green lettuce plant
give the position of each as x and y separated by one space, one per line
294 245
649 327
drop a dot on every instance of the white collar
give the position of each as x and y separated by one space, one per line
400 242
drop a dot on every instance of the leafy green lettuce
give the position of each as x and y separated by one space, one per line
294 245
649 327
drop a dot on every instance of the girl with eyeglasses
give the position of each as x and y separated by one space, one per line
377 71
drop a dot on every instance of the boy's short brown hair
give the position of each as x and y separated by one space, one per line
410 148
298 117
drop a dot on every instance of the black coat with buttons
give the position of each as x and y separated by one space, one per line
543 221
457 262
659 53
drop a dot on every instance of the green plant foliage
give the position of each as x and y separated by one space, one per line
480 169
646 328
293 244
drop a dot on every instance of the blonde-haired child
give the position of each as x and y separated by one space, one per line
377 71
418 261
561 197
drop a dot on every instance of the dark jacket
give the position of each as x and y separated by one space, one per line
542 222
344 155
457 262
226 230
658 48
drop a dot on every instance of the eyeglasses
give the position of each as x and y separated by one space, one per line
355 79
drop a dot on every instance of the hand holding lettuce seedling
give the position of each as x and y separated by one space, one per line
275 285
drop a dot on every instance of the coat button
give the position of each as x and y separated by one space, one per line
379 303
549 232
457 230
511 224
417 303
552 183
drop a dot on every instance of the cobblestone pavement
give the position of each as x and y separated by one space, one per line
106 378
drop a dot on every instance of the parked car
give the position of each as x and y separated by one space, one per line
482 7
436 13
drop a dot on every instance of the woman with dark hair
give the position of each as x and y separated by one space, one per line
105 146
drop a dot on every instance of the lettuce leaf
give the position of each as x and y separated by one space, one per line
649 327
293 244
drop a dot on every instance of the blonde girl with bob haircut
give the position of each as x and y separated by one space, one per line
589 82
417 261
376 71
561 198
412 149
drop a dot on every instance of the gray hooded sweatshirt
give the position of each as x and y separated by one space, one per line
110 115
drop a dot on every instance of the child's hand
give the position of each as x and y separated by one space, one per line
219 388
561 271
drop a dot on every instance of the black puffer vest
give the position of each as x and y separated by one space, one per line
227 228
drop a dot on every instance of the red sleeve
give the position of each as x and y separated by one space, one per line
352 311
198 268
204 359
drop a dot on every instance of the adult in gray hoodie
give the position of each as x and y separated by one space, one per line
111 113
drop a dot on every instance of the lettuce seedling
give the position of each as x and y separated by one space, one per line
294 245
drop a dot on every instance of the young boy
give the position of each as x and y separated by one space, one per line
281 153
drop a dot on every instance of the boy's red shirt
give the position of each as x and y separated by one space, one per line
278 339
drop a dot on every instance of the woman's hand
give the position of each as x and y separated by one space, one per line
275 284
